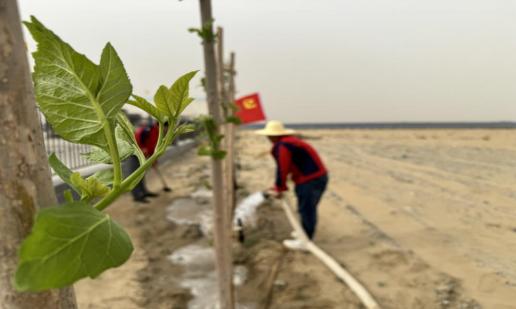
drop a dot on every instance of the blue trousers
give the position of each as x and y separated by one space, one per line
308 196
140 189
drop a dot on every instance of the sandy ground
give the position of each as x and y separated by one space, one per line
424 218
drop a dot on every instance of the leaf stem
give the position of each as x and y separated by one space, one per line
109 134
122 121
162 146
115 157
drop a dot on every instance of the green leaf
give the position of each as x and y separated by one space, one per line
211 129
214 138
128 135
218 154
67 244
179 93
101 156
205 151
104 176
184 105
98 155
127 127
125 149
148 107
185 128
61 170
79 98
116 86
124 141
233 119
162 99
90 187
203 83
206 32
196 31
211 152
173 101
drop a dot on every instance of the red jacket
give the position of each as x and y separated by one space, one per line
296 157
147 139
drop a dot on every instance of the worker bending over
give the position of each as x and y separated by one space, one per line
300 160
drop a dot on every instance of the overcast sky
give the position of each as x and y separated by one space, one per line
317 61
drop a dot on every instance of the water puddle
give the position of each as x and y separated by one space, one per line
200 278
198 260
188 211
199 275
239 275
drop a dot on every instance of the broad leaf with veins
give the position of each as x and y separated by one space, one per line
68 243
78 98
173 101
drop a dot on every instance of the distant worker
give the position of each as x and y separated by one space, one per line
297 158
147 139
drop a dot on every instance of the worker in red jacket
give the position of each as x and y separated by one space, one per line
147 138
300 160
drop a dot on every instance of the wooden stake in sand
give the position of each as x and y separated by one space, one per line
227 95
228 160
357 288
221 235
220 69
230 139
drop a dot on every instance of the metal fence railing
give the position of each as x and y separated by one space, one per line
70 154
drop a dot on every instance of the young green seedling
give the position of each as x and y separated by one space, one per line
206 32
83 103
213 146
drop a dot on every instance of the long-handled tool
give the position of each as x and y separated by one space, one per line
166 188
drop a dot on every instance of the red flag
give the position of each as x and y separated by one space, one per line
250 109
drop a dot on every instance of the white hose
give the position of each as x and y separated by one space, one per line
359 290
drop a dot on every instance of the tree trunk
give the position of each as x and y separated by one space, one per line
25 182
221 235
227 131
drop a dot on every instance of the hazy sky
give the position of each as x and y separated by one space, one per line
317 61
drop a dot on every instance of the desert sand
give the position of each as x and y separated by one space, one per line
423 218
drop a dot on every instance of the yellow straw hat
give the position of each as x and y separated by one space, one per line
275 128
